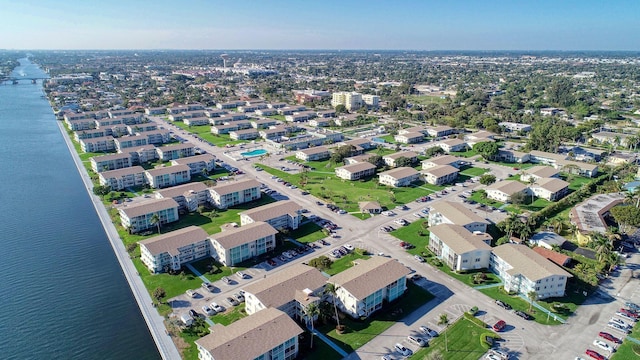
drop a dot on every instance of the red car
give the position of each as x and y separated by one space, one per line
607 336
594 354
499 325
629 313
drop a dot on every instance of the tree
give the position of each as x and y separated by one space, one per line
159 294
341 109
101 190
403 161
155 220
532 295
518 198
433 151
488 149
487 179
311 312
332 289
444 320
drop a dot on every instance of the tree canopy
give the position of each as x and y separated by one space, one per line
488 149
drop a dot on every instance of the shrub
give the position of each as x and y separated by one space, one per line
488 339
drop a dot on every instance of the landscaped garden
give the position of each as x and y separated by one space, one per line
204 132
415 233
518 303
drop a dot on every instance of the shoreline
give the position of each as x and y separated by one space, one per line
155 322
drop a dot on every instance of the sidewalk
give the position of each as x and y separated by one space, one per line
547 312
329 342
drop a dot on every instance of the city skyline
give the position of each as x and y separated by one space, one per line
379 25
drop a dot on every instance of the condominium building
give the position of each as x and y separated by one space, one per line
266 335
233 193
98 144
391 159
447 212
398 177
364 288
110 162
536 173
503 190
123 178
176 151
356 171
236 245
168 176
441 174
350 100
550 189
138 217
188 196
130 141
442 160
171 250
313 154
280 214
198 163
460 248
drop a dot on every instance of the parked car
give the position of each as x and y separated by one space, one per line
620 322
215 306
626 316
242 275
630 312
209 286
271 262
239 297
473 310
192 293
226 280
503 305
632 306
419 258
523 315
618 327
231 301
603 345
417 341
193 313
607 336
209 311
500 354
499 326
594 354
427 331
403 350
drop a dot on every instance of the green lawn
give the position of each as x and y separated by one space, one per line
173 285
204 131
473 171
415 234
320 351
514 166
575 182
425 99
360 332
463 342
231 315
467 154
277 117
345 262
625 351
347 194
308 233
519 303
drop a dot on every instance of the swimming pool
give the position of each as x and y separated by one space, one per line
252 153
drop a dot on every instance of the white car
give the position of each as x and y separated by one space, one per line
417 341
427 331
500 354
217 308
603 345
349 247
209 311
618 327
625 316
492 356
418 215
388 213
242 275
620 322
403 350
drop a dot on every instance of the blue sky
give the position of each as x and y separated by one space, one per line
308 24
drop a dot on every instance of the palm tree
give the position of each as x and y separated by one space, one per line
557 225
332 289
603 247
525 232
444 320
532 295
311 312
155 220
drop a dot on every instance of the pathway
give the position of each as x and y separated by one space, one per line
633 339
196 272
480 287
329 342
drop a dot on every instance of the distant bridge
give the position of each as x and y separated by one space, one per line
15 80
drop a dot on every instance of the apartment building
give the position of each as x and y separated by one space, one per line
142 154
110 162
390 160
280 214
232 193
175 151
263 123
523 270
245 134
99 144
451 145
536 173
442 160
168 176
89 134
441 174
364 288
289 290
265 335
409 138
171 250
138 217
223 129
398 177
503 190
317 153
447 212
460 248
197 163
440 131
188 196
551 189
356 171
236 245
350 100
123 178
131 141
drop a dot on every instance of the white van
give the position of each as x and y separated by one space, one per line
186 319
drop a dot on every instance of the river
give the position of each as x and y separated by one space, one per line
64 295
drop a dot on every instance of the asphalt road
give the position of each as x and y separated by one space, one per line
524 339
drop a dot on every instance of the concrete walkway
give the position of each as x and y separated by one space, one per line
540 307
487 286
329 342
196 272
633 339
155 322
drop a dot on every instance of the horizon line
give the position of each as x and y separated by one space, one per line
335 50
